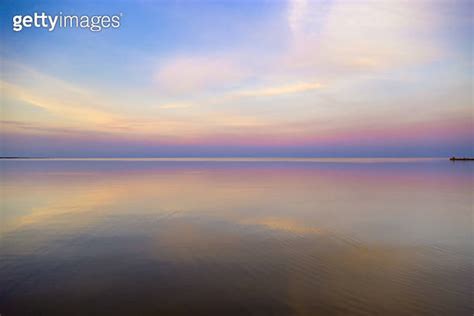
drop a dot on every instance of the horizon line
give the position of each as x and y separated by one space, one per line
235 158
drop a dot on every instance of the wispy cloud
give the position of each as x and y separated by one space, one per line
176 105
76 108
63 101
351 37
281 90
296 14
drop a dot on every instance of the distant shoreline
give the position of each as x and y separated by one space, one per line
21 157
461 159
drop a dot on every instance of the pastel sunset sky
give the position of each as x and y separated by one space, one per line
241 78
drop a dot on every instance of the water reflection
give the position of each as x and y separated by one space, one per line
236 237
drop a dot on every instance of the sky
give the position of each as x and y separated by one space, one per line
359 78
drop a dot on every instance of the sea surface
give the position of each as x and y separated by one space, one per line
236 237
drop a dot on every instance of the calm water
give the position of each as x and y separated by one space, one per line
220 237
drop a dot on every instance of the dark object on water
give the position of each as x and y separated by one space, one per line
462 159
